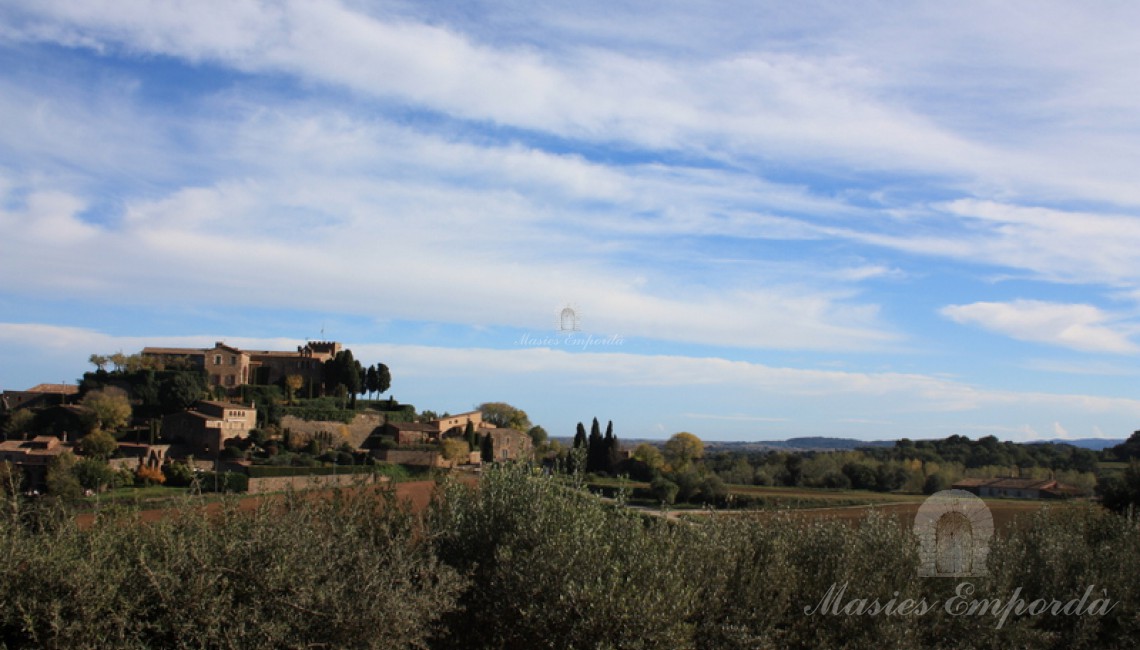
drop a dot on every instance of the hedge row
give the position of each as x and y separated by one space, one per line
319 414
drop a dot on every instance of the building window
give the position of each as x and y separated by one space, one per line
217 359
216 380
230 380
233 360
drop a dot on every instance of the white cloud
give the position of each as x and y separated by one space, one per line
1080 327
787 104
1060 432
501 232
1065 245
744 178
1100 368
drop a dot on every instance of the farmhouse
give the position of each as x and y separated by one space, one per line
206 427
405 433
228 366
39 396
458 423
33 456
385 440
1017 488
509 444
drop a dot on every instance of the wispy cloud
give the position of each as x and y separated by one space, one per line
732 417
1080 327
747 194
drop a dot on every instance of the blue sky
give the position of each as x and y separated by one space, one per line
772 219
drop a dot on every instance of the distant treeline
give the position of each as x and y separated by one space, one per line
925 466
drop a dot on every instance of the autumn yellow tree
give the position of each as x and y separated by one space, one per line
111 406
150 475
293 383
649 455
682 450
456 450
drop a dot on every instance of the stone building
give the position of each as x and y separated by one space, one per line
205 428
453 424
230 367
39 396
509 444
33 457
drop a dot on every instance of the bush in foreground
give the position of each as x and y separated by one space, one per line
530 562
314 572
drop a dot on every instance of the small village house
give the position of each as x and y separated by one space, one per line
205 428
33 456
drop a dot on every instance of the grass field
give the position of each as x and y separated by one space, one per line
1110 468
849 505
1005 512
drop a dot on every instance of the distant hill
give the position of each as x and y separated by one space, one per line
822 443
1095 444
835 443
814 443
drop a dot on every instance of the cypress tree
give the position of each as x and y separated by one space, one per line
488 449
596 450
469 435
613 450
576 456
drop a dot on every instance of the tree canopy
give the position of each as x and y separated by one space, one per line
504 415
111 406
682 449
98 444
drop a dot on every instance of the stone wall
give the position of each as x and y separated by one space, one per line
413 457
360 428
280 483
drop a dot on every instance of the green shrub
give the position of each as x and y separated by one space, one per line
554 566
330 573
223 482
663 490
178 474
94 474
525 561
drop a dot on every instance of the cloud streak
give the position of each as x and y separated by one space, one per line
747 195
1079 327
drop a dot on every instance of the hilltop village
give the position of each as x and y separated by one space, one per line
244 418
230 419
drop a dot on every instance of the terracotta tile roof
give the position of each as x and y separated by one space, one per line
227 405
61 389
183 351
38 446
